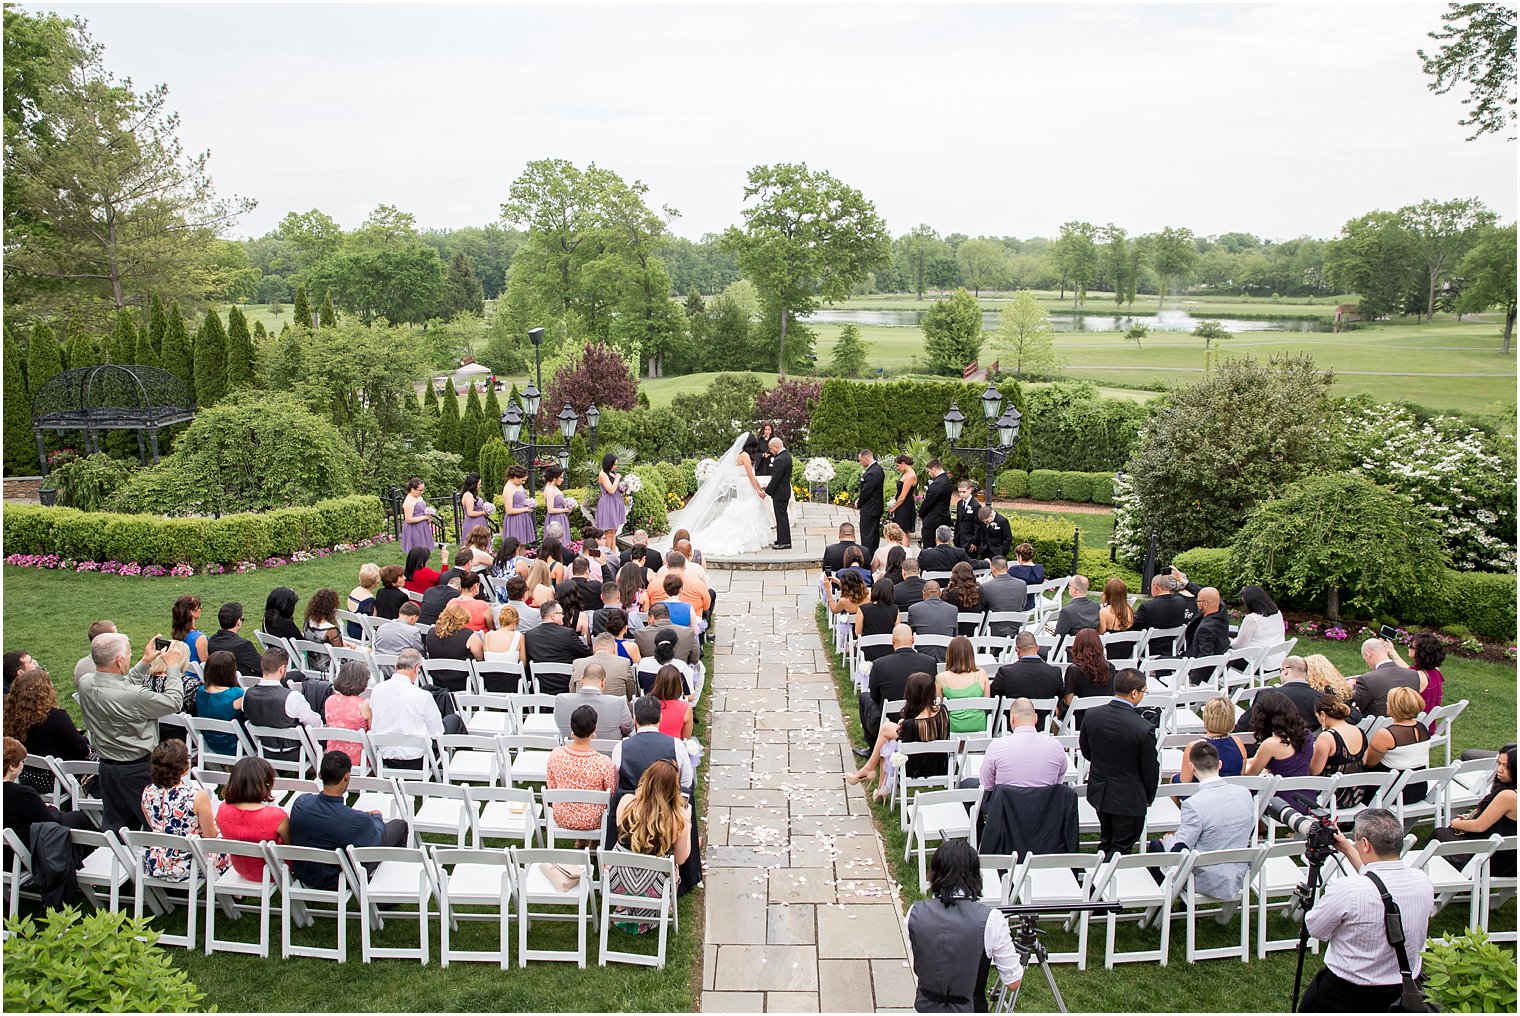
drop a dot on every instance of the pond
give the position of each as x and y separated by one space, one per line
1066 321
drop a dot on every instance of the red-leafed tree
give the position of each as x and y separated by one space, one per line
789 406
597 374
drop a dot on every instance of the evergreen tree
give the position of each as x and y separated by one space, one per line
158 320
123 344
463 293
849 359
210 361
146 354
19 444
302 313
80 347
288 365
695 305
413 407
491 410
258 331
471 427
329 317
43 360
176 357
239 351
430 401
448 420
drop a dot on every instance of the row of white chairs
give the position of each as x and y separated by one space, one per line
435 881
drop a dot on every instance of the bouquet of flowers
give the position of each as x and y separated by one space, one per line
705 469
571 504
488 506
430 511
818 470
631 484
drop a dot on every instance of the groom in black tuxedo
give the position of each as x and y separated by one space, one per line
870 501
779 490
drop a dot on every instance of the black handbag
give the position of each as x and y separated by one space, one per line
1412 997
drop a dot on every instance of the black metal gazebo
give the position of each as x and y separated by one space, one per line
117 396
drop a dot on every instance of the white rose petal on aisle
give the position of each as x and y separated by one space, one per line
818 470
705 469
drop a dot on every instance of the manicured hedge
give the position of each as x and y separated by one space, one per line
1209 566
1011 483
1050 485
885 416
647 511
1051 540
1099 569
150 539
1076 487
1045 485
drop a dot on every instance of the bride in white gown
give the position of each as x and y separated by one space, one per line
727 516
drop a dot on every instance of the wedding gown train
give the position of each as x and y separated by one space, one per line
726 516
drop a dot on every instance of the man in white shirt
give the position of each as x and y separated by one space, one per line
1361 971
400 707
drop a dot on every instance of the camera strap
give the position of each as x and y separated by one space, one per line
1413 999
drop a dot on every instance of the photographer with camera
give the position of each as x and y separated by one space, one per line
956 937
1365 968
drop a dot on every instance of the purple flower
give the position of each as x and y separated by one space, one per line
1338 633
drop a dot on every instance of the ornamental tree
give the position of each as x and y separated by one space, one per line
596 374
849 359
239 351
789 406
176 356
210 360
953 333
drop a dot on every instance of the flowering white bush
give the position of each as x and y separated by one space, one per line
705 469
1450 468
818 470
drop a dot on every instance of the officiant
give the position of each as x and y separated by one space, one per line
765 462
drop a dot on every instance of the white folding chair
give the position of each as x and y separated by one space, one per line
1227 908
106 868
224 890
1271 660
1206 671
1245 675
1440 720
470 758
1161 643
342 654
526 757
1498 890
1277 880
71 773
623 867
415 745
554 832
1162 672
295 894
18 876
441 808
1122 645
907 786
554 676
202 726
975 619
1126 879
1054 881
402 877
347 618
310 657
320 740
455 675
1078 706
137 844
860 670
534 714
489 713
284 748
1373 787
497 678
1317 785
988 707
1165 812
940 815
474 878
509 813
1469 785
378 793
41 767
1461 875
535 888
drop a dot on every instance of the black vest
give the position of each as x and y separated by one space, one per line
264 706
639 751
949 955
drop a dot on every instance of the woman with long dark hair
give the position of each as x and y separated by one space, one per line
280 612
1263 625
1090 672
962 591
419 577
1426 654
1115 614
1495 813
1283 745
556 511
764 464
878 617
895 558
611 512
904 509
183 619
956 938
416 518
475 509
922 719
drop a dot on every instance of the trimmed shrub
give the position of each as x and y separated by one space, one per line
241 537
28 529
297 527
670 475
1099 569
851 415
78 533
1011 483
89 481
1050 538
1209 566
1482 601
1102 488
688 471
1076 487
1045 485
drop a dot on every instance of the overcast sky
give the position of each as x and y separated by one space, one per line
1274 119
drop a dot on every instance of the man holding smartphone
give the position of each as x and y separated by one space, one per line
122 714
1369 691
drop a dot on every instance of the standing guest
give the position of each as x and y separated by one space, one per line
517 516
472 599
1081 612
326 822
611 511
963 592
32 717
398 706
935 507
175 808
1023 757
280 613
556 511
1369 692
655 820
184 627
1208 633
956 938
1426 655
419 577
968 515
527 614
1340 746
416 518
1028 676
122 716
833 554
475 509
870 500
1405 744
1218 733
248 814
1494 814
613 720
552 642
878 617
577 765
229 618
993 536
402 633
346 707
1263 626
16 661
220 698
1283 745
676 715
273 703
617 669
1025 568
894 538
1120 745
1002 593
645 746
904 508
1115 614
1219 816
361 598
962 678
1090 673
452 639
390 596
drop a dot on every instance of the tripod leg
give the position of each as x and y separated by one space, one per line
1055 992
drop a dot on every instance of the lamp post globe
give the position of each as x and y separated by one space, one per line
992 402
536 336
531 398
593 415
511 423
1008 427
568 418
955 421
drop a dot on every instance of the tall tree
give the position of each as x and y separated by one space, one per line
694 304
917 249
807 237
145 353
402 282
448 419
1114 256
1077 255
107 205
953 333
983 263
1478 50
327 317
123 345
1375 257
240 366
1172 257
1025 336
210 360
430 401
1488 274
849 359
17 408
178 357
302 312
79 347
472 431
158 320
43 361
1443 231
464 293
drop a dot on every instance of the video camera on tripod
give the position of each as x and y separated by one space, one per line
1316 826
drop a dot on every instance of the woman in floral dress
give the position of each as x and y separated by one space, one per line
173 807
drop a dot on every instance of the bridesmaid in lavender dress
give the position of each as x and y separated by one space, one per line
555 507
611 512
518 520
416 518
475 509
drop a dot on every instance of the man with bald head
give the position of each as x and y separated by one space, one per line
889 680
1208 634
1369 691
1081 612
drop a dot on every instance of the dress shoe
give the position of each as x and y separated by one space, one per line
781 546
861 752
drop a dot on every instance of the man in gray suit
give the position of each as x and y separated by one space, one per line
1219 816
1080 612
933 616
1369 691
613 720
686 641
618 679
1003 592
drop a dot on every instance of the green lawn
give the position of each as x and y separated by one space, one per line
1097 529
1103 303
47 613
662 389
1212 985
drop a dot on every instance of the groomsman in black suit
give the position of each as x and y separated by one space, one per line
968 516
871 480
779 490
934 509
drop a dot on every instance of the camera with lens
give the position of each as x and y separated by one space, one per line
1316 826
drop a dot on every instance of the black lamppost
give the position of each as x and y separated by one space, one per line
1002 433
512 422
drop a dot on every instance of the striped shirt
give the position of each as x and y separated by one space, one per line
1349 916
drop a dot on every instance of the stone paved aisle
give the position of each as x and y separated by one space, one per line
801 913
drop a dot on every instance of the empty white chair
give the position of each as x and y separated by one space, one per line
402 877
1368 789
535 715
508 813
1272 657
940 815
71 773
488 713
470 758
1455 868
1206 671
442 808
1430 807
1440 720
1162 672
534 887
341 655
224 890
1249 665
1163 642
138 844
624 877
527 757
1498 889
1278 877
1165 812
474 878
1053 881
1127 880
555 676
295 894
1236 906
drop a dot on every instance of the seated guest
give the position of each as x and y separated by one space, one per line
501 642
464 563
1028 676
1294 683
552 642
666 641
280 614
176 808
1218 717
1208 633
472 598
923 719
247 813
910 589
576 765
589 589
509 559
613 720
878 617
1115 614
527 616
855 561
1283 745
993 536
1494 814
452 638
638 542
1403 745
833 554
963 592
390 596
347 707
1369 691
273 703
176 659
955 936
398 706
184 626
1324 677
16 661
680 610
655 820
322 621
693 589
1218 816
962 678
1002 593
32 716
627 645
1023 757
419 576
479 545
618 677
86 664
892 537
227 640
1025 568
402 633
1090 673
933 616
677 717
434 600
844 592
686 640
944 555
220 698
326 822
23 807
1263 626
646 745
888 681
361 599
612 599
1341 745
1165 609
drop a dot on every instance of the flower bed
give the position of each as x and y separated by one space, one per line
57 562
